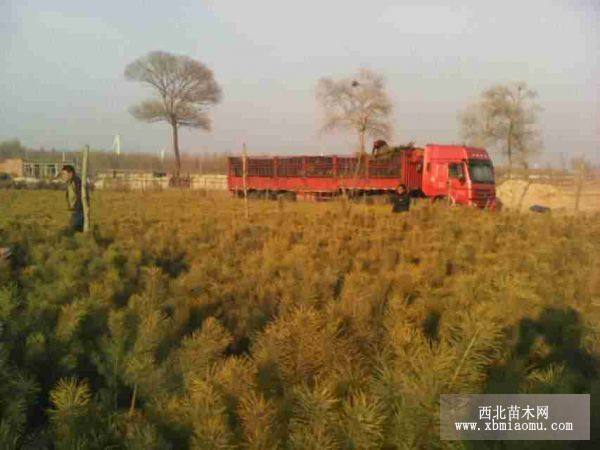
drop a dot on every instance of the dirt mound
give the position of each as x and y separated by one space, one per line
515 192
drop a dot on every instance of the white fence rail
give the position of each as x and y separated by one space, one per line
152 182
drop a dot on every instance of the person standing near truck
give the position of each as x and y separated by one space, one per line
73 196
400 199
5 265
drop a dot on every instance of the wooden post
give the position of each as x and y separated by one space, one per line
524 194
244 175
579 184
84 189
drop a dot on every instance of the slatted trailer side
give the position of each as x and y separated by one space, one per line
326 176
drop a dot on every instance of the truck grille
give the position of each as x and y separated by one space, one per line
481 198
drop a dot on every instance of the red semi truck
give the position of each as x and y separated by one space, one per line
459 174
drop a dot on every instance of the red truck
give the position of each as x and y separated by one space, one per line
459 174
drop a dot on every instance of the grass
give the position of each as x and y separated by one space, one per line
179 324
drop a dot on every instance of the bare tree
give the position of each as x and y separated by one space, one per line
185 90
358 103
504 119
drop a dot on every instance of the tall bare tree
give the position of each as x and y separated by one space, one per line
359 103
184 88
504 119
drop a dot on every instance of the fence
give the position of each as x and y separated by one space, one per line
318 167
149 181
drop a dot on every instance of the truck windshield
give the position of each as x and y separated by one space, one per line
481 171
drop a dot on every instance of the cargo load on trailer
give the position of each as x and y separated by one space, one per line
459 174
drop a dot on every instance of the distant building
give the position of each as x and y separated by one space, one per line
13 167
22 168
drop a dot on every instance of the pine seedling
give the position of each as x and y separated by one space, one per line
202 349
313 423
259 422
362 421
208 417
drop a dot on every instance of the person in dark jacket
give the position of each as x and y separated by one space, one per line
73 196
400 199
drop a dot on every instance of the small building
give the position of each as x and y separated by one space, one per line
41 170
13 167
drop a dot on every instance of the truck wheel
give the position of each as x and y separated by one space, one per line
254 195
444 200
289 196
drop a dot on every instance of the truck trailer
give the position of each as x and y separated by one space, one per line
456 173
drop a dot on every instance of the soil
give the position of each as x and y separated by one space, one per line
521 195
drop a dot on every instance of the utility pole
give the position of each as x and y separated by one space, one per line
117 144
244 175
117 149
162 159
84 189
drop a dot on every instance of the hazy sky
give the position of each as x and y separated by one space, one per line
62 61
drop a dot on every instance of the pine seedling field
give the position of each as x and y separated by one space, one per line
178 323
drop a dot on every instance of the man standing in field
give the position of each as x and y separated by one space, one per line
74 202
5 269
400 199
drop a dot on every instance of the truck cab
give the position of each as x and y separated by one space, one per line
461 174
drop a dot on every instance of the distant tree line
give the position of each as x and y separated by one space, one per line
101 160
504 118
